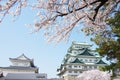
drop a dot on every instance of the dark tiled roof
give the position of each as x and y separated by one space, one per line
86 53
20 68
24 76
76 61
100 62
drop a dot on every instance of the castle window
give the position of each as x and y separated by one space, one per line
90 60
77 46
75 71
95 67
75 52
85 67
70 66
75 66
90 67
70 71
95 60
86 60
80 71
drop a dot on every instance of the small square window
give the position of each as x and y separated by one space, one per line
90 67
75 71
75 66
70 66
86 60
90 60
70 71
80 71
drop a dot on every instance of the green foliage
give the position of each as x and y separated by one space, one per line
109 42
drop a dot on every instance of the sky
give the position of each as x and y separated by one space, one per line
16 39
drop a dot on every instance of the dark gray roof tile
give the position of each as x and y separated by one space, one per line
20 68
100 62
76 61
24 76
86 53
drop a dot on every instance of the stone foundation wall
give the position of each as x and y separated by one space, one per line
70 77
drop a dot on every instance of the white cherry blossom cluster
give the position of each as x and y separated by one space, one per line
94 75
65 15
59 17
12 7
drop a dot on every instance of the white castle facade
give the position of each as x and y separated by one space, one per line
80 57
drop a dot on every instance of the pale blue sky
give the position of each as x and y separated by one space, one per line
16 39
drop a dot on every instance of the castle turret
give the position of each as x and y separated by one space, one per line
21 64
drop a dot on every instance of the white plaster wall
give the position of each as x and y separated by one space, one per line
26 64
72 73
5 72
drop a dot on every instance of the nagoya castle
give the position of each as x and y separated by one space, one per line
80 57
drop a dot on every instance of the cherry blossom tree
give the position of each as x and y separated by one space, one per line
59 17
94 75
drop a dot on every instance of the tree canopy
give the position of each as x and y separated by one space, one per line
59 17
109 44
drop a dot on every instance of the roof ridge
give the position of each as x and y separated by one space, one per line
101 62
76 61
23 56
86 52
